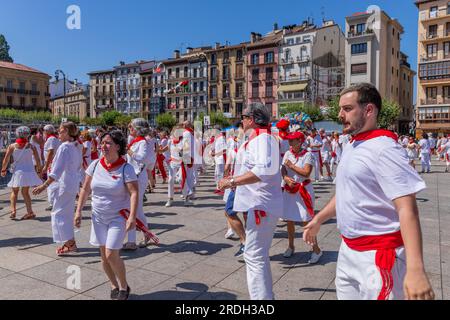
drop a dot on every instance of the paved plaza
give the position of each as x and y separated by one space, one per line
194 260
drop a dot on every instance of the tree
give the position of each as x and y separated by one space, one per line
311 110
4 50
166 120
389 114
109 117
217 118
333 109
122 121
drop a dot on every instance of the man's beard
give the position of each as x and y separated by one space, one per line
356 128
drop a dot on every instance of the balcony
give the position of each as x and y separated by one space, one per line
22 91
428 16
428 101
354 34
10 90
435 36
293 78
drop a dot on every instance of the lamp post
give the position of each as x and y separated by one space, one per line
57 74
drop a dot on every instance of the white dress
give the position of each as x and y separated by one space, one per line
293 204
24 174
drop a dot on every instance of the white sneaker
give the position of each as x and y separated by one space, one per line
230 234
321 178
315 257
182 196
169 204
288 253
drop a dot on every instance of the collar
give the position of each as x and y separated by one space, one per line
51 135
189 130
300 154
372 134
111 166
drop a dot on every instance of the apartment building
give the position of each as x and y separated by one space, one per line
76 102
23 88
128 88
157 98
146 71
101 92
227 79
433 87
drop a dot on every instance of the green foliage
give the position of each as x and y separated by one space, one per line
27 116
333 109
122 121
217 118
166 120
4 50
109 117
93 121
389 114
311 110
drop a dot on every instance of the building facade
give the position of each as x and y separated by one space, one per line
373 55
76 104
157 97
128 88
262 70
102 94
433 87
23 88
227 79
146 90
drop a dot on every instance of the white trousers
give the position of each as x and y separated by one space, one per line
188 189
218 173
316 165
334 161
62 216
52 190
257 245
143 182
425 161
357 276
173 169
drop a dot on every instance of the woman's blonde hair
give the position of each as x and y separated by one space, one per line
72 129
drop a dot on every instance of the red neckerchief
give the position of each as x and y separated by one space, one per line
364 136
21 142
298 155
258 132
176 141
189 130
51 135
114 165
282 134
136 140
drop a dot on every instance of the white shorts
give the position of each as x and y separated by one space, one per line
109 235
326 157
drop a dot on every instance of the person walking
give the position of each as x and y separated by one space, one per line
425 153
381 255
113 184
64 176
24 172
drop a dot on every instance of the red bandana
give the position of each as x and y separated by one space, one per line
283 134
136 140
189 130
298 155
364 136
21 142
256 133
114 165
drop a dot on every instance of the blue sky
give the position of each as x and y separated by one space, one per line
131 30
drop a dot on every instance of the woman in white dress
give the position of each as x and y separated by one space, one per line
137 156
64 174
411 150
114 187
298 195
23 170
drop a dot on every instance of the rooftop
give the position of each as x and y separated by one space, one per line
19 67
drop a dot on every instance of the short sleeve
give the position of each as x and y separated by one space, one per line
90 170
394 174
309 158
53 145
129 174
263 161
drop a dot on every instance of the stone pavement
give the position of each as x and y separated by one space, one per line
194 260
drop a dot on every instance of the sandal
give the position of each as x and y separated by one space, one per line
67 248
28 216
12 216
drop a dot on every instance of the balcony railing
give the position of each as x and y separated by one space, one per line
10 90
433 15
428 101
294 78
354 34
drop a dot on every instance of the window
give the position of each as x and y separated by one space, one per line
213 58
213 73
269 107
34 87
255 90
186 72
255 58
213 92
359 48
202 86
446 90
447 29
269 57
22 85
33 102
226 91
239 90
226 107
239 107
360 28
432 31
195 73
195 86
185 115
269 89
239 71
433 12
290 42
185 102
9 100
269 74
287 54
431 92
226 56
360 68
255 75
239 55
432 50
9 84
226 72
177 72
22 101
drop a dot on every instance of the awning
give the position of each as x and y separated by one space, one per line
293 87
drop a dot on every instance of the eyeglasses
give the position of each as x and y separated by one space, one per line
245 116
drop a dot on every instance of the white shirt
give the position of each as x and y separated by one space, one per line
301 162
164 143
336 148
188 147
446 148
261 158
66 166
219 146
151 150
424 146
38 151
432 142
109 192
371 175
52 143
175 152
344 139
326 145
317 140
87 156
140 156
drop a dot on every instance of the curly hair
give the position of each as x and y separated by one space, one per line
119 138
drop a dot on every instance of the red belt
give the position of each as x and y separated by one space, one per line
385 246
300 188
140 226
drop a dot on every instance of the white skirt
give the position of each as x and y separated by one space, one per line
24 179
294 207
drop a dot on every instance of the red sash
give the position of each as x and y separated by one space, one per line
385 246
258 215
21 142
183 175
140 226
136 140
300 188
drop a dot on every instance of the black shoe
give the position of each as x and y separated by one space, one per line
123 295
145 198
114 294
240 253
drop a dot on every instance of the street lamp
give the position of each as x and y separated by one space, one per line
57 73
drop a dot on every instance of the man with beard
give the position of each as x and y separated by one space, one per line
375 205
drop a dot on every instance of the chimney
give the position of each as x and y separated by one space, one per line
176 54
275 26
217 45
253 37
122 63
189 49
75 84
258 36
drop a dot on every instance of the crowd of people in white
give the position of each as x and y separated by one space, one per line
263 172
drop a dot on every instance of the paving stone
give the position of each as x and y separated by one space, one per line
16 260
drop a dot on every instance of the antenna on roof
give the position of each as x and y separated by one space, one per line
322 11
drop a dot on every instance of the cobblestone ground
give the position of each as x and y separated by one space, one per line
194 260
